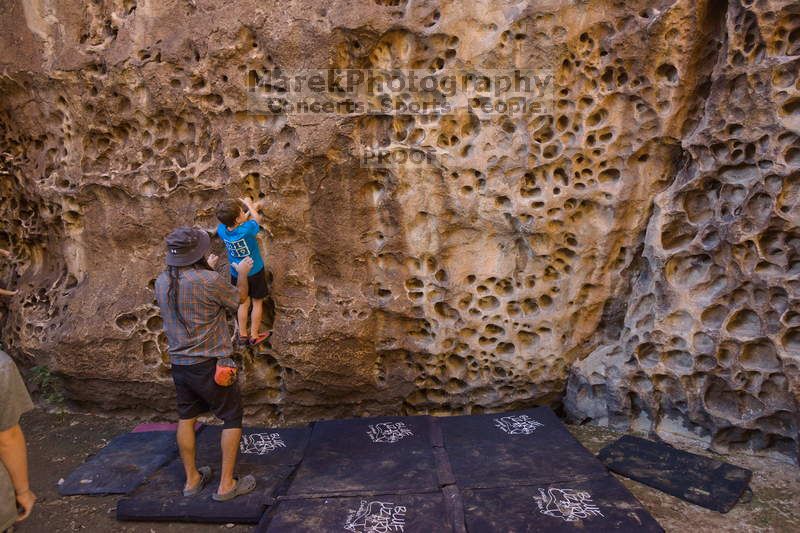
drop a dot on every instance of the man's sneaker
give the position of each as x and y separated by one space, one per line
258 340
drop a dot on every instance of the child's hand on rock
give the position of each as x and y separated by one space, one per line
213 261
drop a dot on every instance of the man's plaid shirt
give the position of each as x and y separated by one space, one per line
203 298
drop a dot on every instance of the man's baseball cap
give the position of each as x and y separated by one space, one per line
186 246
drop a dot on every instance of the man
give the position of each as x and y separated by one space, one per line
14 489
193 299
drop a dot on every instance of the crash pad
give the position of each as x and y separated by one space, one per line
284 446
368 456
270 455
122 465
160 499
700 480
515 448
359 514
601 505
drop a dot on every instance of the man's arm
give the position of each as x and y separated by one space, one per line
253 209
14 401
228 296
14 456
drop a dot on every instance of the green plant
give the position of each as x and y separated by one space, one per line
48 385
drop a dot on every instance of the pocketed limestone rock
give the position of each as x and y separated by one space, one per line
630 248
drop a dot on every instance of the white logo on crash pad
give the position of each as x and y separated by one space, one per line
388 432
517 425
567 504
261 443
376 517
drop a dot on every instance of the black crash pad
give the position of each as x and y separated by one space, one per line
368 456
160 499
283 446
700 480
122 465
516 448
267 454
600 505
359 514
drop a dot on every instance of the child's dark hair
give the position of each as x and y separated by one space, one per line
228 211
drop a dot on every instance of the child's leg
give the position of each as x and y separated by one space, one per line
241 315
258 309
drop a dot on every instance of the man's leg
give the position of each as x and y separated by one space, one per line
258 310
186 446
227 402
229 442
241 314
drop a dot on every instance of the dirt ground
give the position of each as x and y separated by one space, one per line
775 506
58 443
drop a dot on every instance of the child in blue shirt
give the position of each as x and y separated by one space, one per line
239 225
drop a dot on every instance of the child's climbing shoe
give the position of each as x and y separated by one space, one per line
258 340
242 342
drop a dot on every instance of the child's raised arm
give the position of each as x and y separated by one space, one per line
253 209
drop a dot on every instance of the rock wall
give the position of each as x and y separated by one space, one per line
710 343
632 251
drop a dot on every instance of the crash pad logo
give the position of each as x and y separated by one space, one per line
261 443
388 432
567 504
517 425
376 517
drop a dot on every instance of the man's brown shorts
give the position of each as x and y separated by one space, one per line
198 394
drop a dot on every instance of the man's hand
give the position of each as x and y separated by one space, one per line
244 266
26 500
213 261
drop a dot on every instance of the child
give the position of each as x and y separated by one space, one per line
239 225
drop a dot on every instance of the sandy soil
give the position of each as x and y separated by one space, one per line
60 442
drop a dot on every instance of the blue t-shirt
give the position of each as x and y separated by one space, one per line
241 242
